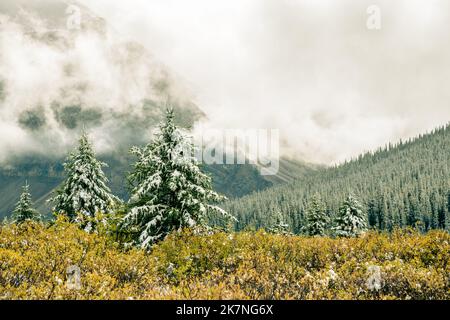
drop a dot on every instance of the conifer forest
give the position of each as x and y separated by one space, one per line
266 151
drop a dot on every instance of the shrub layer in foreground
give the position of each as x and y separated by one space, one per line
35 263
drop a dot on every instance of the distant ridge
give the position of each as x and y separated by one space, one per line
45 175
403 184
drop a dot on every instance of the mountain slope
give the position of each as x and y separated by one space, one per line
55 81
96 80
236 181
45 175
93 79
400 185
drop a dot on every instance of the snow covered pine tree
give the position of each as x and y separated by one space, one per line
24 209
169 191
84 195
350 221
316 217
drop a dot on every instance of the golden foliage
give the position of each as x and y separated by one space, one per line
35 263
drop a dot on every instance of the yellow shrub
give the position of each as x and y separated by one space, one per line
62 262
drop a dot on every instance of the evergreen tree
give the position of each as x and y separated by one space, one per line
403 184
24 209
6 221
280 227
316 217
373 215
350 221
84 195
445 221
169 192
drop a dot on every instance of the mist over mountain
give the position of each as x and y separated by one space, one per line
309 68
330 99
55 80
321 130
402 184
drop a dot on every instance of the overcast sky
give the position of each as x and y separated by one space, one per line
310 68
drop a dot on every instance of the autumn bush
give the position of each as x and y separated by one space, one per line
36 262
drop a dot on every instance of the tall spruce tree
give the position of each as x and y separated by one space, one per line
351 220
84 194
24 209
169 191
316 217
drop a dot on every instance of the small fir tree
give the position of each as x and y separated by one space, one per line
316 217
280 226
351 221
169 191
84 197
24 209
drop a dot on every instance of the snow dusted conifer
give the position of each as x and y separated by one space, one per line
24 209
351 221
280 226
316 218
169 191
84 195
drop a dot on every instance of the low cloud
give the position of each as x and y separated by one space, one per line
311 69
55 81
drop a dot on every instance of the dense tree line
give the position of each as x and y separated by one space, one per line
397 186
406 184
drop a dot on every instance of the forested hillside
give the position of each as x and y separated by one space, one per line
406 184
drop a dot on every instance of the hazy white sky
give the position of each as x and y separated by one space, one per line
310 68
